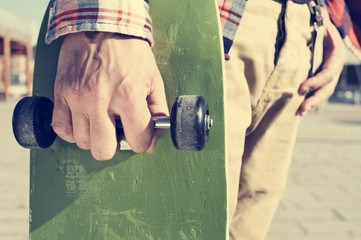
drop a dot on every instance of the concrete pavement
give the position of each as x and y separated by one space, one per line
322 199
14 180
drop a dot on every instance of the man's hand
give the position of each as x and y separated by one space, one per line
324 83
103 77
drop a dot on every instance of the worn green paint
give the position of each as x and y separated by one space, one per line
166 195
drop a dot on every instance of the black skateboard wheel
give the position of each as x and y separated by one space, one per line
190 123
32 122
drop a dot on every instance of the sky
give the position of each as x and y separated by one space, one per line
32 10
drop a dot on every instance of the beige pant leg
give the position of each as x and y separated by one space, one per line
248 50
238 118
266 99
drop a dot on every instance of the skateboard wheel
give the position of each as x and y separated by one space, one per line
190 123
32 122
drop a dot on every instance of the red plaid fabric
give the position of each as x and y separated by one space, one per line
346 15
230 14
124 16
131 17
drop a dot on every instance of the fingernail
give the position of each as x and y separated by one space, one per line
306 110
304 113
304 90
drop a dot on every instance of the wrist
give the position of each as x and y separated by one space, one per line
98 37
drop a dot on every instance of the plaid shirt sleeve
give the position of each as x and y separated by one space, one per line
128 17
230 14
346 15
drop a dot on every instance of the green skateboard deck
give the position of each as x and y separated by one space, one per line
170 194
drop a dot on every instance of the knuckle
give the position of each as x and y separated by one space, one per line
329 76
329 93
129 93
99 97
73 96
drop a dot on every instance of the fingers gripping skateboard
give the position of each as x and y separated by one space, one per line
189 123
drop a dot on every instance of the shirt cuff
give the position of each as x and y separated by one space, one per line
129 17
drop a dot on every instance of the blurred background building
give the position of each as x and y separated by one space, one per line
348 89
16 54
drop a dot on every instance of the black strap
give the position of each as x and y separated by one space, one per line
316 16
301 1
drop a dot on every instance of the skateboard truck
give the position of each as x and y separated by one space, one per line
189 123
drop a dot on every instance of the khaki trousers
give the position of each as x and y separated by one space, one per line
262 102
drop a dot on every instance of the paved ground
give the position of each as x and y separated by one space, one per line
322 200
14 180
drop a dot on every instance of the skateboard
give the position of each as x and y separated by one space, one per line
170 194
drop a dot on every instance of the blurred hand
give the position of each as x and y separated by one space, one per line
324 83
103 77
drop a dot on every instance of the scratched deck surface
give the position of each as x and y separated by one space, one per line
167 195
